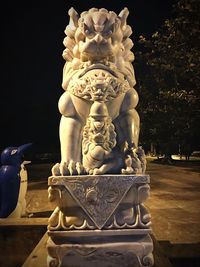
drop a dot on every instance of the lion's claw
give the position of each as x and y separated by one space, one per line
64 168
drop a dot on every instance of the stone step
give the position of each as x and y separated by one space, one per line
38 257
21 222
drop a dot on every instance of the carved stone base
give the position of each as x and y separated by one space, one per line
99 221
109 248
99 202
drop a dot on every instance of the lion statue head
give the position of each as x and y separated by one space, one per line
98 39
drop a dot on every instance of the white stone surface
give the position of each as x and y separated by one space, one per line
20 209
99 202
99 187
99 127
110 251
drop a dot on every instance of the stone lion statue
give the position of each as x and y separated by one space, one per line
99 121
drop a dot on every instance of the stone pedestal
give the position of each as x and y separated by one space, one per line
100 220
112 248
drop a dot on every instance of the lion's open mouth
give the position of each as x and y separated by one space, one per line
98 66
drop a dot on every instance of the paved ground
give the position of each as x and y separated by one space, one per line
174 205
174 202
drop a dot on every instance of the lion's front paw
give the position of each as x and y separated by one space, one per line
95 171
64 168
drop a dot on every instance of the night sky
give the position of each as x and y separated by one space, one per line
32 63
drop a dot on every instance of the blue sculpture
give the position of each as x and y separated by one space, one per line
13 181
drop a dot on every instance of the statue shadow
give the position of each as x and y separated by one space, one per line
181 255
42 214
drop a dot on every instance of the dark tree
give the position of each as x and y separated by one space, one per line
168 81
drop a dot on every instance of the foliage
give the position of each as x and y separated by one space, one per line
168 79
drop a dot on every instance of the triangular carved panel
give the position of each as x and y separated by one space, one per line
99 196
